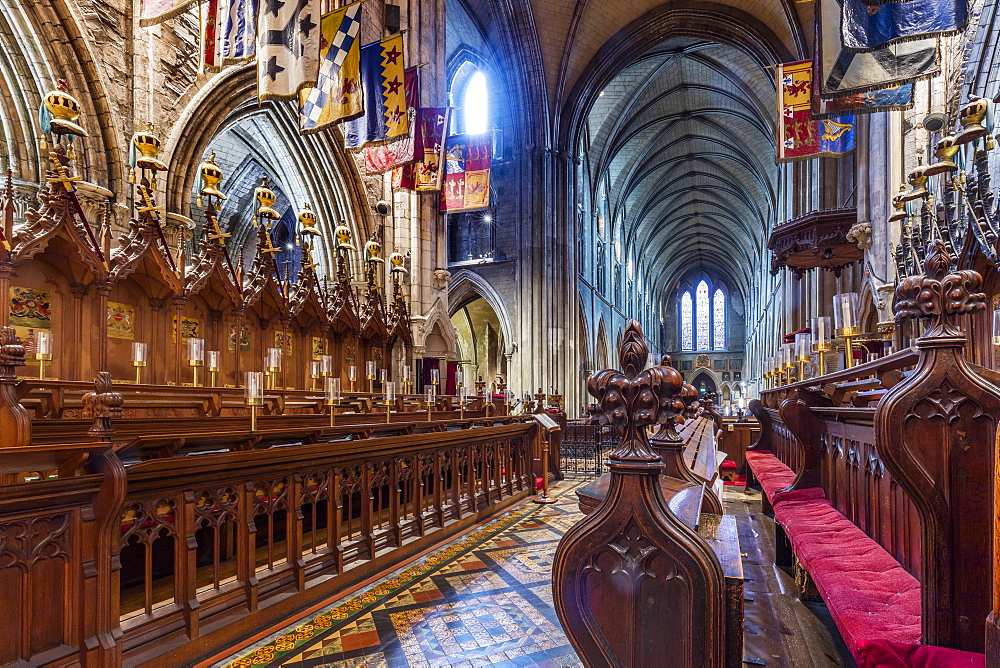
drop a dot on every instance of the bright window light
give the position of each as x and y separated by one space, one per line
476 105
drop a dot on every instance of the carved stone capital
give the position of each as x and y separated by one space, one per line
861 234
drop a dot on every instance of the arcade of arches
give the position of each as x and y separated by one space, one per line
267 399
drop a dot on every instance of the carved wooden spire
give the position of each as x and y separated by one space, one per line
633 585
935 431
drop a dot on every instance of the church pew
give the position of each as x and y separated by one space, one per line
844 519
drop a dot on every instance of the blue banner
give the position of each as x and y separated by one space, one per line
865 27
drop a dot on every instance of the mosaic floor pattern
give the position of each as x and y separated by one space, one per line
483 600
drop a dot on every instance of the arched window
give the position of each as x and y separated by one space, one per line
476 105
703 318
719 320
687 317
702 315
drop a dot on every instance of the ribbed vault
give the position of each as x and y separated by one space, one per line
683 140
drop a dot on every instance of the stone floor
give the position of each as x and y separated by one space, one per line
485 600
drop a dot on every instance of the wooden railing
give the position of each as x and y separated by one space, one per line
173 556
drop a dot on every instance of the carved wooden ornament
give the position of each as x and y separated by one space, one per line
935 431
633 585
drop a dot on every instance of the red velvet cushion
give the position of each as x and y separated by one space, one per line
805 494
887 654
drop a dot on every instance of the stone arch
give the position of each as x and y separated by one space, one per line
230 98
466 285
436 320
602 357
711 380
36 36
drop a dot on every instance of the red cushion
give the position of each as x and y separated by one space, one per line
887 654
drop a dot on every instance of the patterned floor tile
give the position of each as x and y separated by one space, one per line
483 600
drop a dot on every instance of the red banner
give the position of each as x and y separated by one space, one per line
398 152
467 172
425 174
797 137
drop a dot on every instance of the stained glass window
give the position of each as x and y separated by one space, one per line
702 315
476 105
687 335
718 320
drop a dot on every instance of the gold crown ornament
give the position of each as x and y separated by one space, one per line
373 251
62 111
918 180
343 235
898 205
145 150
945 151
972 116
307 219
265 200
211 176
396 259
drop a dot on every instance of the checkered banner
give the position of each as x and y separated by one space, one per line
338 94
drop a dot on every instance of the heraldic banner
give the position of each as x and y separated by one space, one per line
800 136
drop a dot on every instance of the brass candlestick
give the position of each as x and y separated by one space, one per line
848 334
138 370
821 349
195 365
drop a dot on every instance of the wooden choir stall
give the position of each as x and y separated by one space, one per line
157 506
881 479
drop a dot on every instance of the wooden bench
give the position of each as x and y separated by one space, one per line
829 467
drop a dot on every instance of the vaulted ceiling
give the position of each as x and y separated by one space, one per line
683 140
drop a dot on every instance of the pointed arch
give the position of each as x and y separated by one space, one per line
466 285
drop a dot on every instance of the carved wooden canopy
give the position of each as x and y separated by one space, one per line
815 240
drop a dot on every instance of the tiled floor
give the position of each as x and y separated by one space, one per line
484 600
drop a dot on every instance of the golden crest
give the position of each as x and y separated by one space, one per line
65 111
307 220
265 200
343 235
211 177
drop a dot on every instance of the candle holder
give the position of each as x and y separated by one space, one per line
459 378
332 396
272 367
314 372
435 377
845 320
352 375
821 344
212 358
253 395
803 352
996 327
370 375
138 359
389 388
196 357
430 392
326 366
463 399
788 361
407 382
43 351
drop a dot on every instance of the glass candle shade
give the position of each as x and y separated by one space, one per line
430 393
196 352
845 314
331 391
212 360
370 370
326 365
788 355
435 376
274 359
459 377
253 393
803 347
383 375
996 327
406 372
821 332
390 391
352 373
43 345
139 354
314 369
